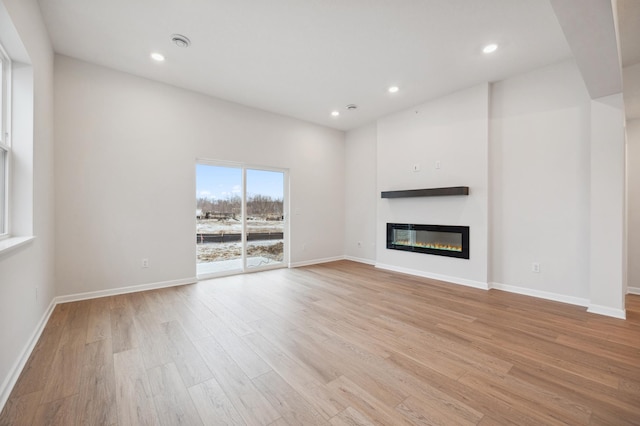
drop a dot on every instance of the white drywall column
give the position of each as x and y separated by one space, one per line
633 205
608 245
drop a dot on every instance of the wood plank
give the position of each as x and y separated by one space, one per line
155 346
134 399
19 410
297 376
78 316
381 413
186 357
350 417
96 402
123 329
99 320
226 316
250 403
524 396
65 378
289 403
242 354
36 372
479 400
213 405
189 321
172 400
60 412
158 306
426 413
306 351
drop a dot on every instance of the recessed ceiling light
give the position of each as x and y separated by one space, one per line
393 89
335 113
490 48
157 57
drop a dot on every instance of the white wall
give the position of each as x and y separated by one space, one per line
539 162
125 175
454 131
361 194
30 266
633 204
544 164
608 230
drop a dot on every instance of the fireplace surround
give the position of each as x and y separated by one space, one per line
441 240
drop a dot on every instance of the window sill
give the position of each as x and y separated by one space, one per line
13 243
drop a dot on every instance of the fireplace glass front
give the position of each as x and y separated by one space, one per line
452 241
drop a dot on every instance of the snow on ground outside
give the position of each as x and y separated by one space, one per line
215 252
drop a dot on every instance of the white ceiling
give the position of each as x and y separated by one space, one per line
305 58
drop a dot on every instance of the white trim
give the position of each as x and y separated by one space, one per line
633 290
6 124
12 243
315 261
16 370
446 278
607 311
124 290
361 260
571 300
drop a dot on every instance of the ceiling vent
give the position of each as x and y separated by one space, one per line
180 40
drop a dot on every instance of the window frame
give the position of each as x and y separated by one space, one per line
5 142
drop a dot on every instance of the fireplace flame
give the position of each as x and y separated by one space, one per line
435 246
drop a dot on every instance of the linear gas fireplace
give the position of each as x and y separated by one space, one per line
452 241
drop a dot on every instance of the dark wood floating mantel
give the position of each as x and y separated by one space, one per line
428 192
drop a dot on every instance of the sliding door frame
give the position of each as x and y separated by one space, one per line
285 207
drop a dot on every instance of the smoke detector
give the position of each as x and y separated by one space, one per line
180 40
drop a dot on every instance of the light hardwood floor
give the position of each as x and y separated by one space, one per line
334 344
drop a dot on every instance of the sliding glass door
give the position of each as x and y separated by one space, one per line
240 219
265 217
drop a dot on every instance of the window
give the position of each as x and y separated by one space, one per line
5 147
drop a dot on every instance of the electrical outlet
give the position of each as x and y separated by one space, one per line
416 167
303 247
535 267
438 164
145 263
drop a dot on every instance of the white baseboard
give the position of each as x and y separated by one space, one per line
123 290
14 372
360 260
454 280
315 261
605 310
633 290
541 294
